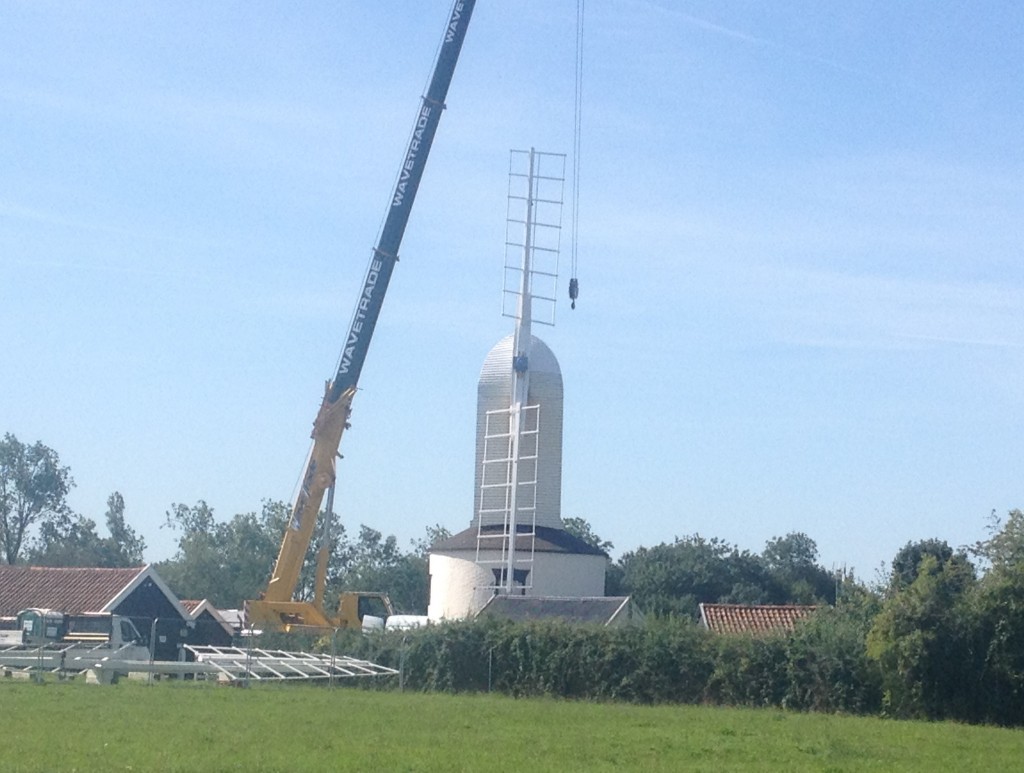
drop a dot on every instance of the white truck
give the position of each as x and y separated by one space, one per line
48 640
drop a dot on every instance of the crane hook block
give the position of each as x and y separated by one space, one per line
574 290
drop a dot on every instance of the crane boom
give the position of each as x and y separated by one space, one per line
385 255
331 419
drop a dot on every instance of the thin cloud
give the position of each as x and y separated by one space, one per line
157 107
754 40
823 308
13 211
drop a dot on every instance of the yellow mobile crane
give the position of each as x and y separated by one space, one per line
277 608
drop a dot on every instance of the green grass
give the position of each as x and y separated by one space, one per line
197 727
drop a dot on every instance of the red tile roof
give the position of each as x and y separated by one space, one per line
755 619
72 590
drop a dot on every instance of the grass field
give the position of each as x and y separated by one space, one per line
197 727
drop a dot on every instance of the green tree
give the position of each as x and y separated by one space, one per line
580 527
434 534
792 565
231 561
922 641
673 578
124 545
376 563
33 489
1004 548
1000 614
195 570
226 562
907 562
69 539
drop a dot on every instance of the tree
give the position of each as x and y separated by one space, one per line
796 549
68 539
195 570
230 561
376 563
1004 549
33 489
792 564
580 527
434 534
922 641
124 545
1000 614
673 578
906 564
225 562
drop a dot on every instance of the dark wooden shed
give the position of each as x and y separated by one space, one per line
136 592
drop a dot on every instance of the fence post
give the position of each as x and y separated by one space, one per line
490 668
152 648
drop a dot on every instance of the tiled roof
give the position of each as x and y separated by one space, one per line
72 590
191 605
755 619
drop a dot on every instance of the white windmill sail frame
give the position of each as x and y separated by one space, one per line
533 230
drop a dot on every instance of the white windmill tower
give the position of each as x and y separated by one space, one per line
516 543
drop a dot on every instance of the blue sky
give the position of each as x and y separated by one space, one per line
800 258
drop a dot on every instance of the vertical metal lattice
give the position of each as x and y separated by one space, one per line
501 472
538 232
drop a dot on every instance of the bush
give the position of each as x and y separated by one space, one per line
749 671
827 666
820 667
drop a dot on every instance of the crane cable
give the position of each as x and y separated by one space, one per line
574 284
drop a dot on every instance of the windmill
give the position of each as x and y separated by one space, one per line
516 544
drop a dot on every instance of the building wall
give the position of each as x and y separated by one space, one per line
155 617
459 586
